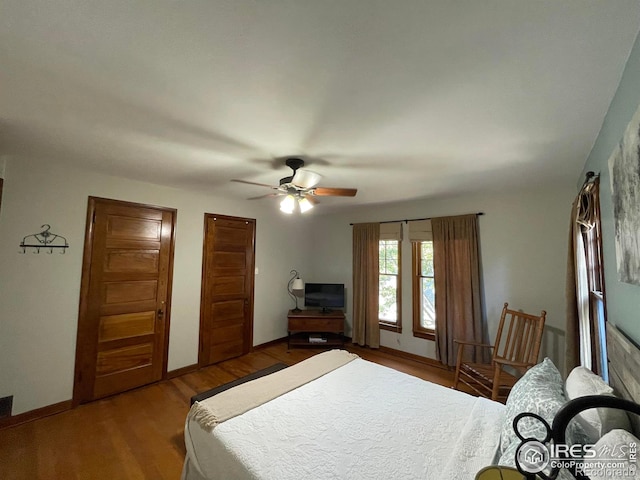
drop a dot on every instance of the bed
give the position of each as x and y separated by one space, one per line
338 416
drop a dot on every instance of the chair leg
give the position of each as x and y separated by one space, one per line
456 379
496 383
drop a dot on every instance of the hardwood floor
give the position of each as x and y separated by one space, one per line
139 434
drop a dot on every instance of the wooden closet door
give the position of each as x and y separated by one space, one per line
226 311
124 310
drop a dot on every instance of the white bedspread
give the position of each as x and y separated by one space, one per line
361 421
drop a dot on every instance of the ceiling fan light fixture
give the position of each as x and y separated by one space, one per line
305 204
306 178
300 189
288 204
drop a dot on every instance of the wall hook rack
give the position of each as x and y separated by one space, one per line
46 240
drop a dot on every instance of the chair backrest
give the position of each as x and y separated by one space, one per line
519 336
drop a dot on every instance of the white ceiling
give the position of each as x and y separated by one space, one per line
400 99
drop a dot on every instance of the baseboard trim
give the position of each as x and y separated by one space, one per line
268 344
36 414
192 368
411 356
182 371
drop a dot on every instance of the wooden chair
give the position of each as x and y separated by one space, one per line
516 347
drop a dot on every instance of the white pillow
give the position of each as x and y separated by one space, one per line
596 422
582 381
614 448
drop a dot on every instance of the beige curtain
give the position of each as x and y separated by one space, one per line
578 328
366 330
456 266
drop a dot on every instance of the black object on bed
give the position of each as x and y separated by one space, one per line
260 373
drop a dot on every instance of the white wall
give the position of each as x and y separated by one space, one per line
622 298
523 246
39 294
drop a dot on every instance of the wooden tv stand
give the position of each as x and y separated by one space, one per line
301 324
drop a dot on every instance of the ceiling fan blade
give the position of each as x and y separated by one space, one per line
334 192
306 178
268 195
253 183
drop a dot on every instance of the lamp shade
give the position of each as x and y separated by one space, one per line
306 178
305 204
297 284
288 204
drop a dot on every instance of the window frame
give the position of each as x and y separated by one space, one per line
386 324
416 276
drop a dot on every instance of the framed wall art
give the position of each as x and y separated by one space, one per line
624 169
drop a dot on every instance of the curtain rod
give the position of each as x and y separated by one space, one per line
589 176
413 219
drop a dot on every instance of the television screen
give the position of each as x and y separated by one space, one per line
324 295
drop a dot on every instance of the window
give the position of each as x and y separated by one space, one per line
424 290
595 280
389 285
589 274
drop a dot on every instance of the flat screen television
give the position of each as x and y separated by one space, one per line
325 296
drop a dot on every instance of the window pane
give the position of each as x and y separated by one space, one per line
426 258
392 266
388 256
387 306
392 248
427 303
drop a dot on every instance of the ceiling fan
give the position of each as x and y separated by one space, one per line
300 188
